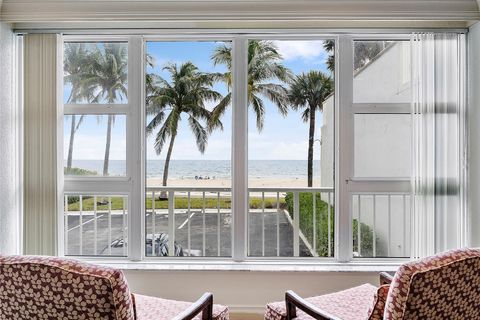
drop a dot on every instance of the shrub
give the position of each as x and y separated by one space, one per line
79 172
366 233
306 224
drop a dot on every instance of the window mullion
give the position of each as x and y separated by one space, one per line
135 155
343 218
60 136
239 149
98 109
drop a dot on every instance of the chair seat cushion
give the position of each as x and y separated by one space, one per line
350 304
152 308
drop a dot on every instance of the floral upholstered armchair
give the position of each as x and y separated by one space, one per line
33 287
441 287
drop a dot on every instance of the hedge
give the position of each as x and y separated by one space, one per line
306 224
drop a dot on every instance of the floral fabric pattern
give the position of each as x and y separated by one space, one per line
149 308
445 286
350 304
377 309
33 287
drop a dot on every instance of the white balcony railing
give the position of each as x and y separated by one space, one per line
95 225
197 221
385 220
274 229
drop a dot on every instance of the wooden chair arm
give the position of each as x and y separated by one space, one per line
204 305
385 278
294 301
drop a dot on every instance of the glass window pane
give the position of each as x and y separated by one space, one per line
291 148
95 72
96 225
382 145
94 145
381 72
385 223
188 149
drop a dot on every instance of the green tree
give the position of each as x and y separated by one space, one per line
367 51
77 61
329 46
265 70
308 91
108 81
185 94
364 52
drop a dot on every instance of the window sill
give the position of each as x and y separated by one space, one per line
253 266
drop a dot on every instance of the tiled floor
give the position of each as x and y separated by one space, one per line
245 316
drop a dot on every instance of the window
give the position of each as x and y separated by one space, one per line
290 113
381 142
96 155
188 149
95 145
206 146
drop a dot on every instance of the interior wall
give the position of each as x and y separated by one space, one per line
474 132
242 291
9 191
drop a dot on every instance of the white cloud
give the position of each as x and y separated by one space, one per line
301 49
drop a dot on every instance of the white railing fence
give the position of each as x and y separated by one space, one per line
274 219
197 222
381 223
95 227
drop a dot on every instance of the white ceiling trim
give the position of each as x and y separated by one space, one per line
24 11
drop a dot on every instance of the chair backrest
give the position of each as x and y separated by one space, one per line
35 287
445 286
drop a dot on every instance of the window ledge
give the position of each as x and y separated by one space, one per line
254 266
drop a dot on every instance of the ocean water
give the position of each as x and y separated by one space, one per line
219 169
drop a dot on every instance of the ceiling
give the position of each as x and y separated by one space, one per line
194 13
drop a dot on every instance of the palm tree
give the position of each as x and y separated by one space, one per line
309 91
77 60
364 52
264 69
108 80
329 47
185 94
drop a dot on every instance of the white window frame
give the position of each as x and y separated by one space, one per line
100 185
133 185
367 185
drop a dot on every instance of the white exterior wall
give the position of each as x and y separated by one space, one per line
389 74
378 151
328 144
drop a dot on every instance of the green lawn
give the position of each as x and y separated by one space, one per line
180 203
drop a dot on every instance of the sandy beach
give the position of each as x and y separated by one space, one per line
252 183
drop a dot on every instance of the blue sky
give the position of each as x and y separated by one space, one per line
283 138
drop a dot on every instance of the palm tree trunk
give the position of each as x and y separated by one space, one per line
311 135
163 195
70 146
107 145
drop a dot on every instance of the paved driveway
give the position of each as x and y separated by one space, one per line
202 228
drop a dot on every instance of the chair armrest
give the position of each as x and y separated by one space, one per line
294 301
204 305
385 278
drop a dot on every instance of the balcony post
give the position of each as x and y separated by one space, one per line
171 223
